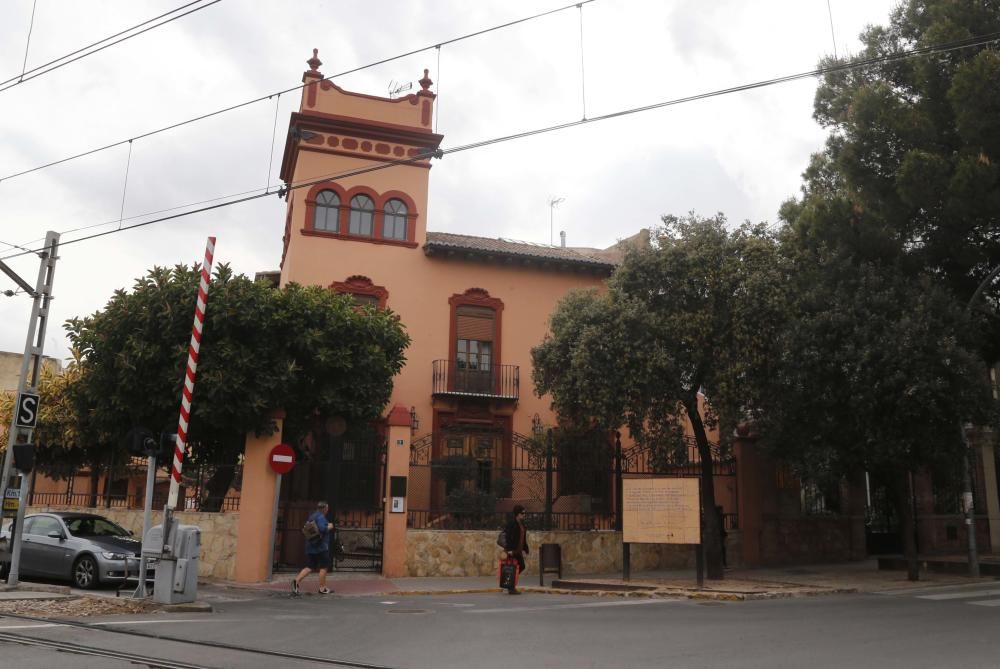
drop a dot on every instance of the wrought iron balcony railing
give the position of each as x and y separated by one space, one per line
455 378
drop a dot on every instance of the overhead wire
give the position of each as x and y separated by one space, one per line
981 40
45 69
27 45
240 105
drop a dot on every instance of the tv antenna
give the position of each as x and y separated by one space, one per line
395 88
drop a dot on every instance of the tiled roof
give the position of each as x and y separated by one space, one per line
446 243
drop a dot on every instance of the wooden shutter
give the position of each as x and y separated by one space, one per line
475 323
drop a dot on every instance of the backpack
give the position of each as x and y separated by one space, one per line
310 530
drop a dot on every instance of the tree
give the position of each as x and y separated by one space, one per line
911 169
302 349
895 229
874 373
694 313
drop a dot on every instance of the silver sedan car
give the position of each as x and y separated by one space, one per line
85 548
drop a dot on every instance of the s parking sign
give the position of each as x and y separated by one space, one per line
27 410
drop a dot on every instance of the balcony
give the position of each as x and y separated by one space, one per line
498 381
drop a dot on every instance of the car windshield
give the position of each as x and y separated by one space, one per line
94 527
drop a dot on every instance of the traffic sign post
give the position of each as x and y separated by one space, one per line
282 460
26 415
26 412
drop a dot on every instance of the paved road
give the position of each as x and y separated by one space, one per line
916 628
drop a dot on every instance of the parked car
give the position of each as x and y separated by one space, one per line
85 548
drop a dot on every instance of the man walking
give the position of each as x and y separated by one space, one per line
317 549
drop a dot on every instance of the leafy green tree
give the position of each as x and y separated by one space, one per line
911 168
875 373
895 229
693 314
301 349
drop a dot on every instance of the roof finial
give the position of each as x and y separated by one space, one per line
314 62
426 82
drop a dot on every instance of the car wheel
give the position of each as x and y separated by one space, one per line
85 573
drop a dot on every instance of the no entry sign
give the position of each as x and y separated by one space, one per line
282 458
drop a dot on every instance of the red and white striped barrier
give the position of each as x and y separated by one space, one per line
192 366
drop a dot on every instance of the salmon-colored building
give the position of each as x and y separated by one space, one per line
464 437
357 169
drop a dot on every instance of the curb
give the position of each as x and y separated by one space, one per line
36 587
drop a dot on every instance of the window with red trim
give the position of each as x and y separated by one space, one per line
394 220
326 216
362 216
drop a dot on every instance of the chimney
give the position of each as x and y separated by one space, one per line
562 238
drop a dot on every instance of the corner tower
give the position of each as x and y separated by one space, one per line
356 171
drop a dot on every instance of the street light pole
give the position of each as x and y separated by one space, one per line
967 499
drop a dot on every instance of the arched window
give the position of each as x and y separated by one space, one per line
327 214
394 224
362 216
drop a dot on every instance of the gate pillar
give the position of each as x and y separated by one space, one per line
255 534
397 466
755 495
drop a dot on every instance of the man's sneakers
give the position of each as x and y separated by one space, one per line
295 587
325 591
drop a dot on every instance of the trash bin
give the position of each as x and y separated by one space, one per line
549 560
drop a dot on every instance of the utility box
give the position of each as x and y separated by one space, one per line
177 569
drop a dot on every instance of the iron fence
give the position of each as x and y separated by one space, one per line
558 487
205 487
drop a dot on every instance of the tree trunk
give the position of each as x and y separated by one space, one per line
215 489
711 536
904 501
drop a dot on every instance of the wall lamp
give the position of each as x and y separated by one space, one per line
536 425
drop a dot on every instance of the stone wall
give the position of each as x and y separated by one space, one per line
475 553
218 533
811 539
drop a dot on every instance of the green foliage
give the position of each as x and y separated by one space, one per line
698 312
455 470
470 503
910 173
302 349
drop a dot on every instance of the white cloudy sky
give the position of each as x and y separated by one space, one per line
741 154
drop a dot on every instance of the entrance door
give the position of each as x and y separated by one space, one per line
348 472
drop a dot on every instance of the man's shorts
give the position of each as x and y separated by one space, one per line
319 560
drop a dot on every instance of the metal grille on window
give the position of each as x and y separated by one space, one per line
327 214
362 216
394 224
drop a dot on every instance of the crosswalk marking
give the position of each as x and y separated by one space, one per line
588 605
961 595
988 602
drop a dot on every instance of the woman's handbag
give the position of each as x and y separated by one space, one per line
502 539
508 573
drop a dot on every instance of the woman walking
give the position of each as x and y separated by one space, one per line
517 542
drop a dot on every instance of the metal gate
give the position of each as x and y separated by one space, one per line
348 472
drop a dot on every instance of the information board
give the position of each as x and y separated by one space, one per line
661 511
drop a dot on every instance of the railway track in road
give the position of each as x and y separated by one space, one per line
156 662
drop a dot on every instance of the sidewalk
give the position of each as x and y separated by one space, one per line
739 584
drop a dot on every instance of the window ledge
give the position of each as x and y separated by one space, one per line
308 232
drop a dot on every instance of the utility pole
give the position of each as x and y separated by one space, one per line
21 431
553 202
967 499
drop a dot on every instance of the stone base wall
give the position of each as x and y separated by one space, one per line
475 553
810 539
218 533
